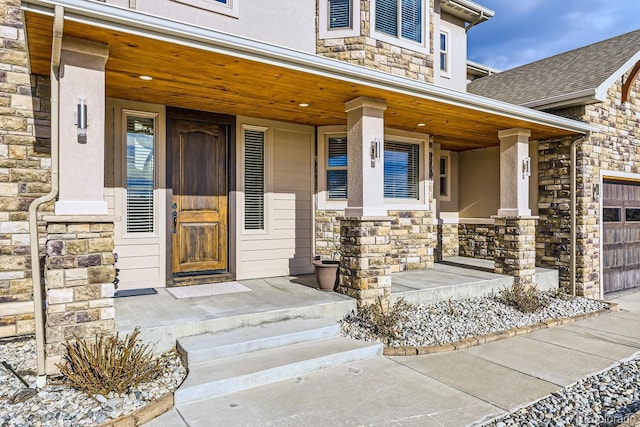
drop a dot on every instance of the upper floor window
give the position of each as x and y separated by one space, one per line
444 51
339 14
400 18
223 7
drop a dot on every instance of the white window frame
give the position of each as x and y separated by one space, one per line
447 52
447 175
399 40
323 22
156 172
423 201
230 8
267 185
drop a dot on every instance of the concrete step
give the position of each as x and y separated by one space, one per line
208 347
235 373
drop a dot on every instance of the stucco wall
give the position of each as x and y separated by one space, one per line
25 166
456 76
479 182
281 22
613 148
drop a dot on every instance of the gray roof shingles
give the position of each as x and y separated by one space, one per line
577 70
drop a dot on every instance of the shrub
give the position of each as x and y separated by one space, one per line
525 298
384 323
109 364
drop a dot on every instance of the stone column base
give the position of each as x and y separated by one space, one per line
79 275
365 242
515 252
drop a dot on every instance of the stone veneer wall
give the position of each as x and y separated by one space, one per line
366 51
448 241
515 253
25 166
613 148
477 240
412 240
79 275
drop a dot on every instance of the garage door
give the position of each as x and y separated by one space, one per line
621 240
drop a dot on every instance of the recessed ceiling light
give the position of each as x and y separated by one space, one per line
303 105
421 125
145 78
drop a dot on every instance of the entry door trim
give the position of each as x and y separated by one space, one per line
229 122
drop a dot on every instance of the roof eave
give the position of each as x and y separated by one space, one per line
602 89
583 97
135 22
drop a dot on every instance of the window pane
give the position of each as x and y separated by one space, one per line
400 170
140 174
253 180
412 20
632 214
337 183
611 214
443 41
222 1
443 165
339 14
337 152
387 16
443 185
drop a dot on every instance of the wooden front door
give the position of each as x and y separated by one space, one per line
621 240
199 180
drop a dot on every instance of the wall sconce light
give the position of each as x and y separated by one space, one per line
81 119
375 152
526 167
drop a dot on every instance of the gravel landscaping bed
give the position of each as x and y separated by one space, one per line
609 398
454 320
59 405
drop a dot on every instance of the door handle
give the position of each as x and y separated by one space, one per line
175 221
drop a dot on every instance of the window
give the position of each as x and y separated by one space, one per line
443 176
400 18
254 179
611 214
223 7
223 1
140 174
444 52
401 170
337 168
632 214
339 14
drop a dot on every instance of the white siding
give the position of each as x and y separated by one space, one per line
285 246
141 260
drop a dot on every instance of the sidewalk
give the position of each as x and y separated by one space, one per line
447 389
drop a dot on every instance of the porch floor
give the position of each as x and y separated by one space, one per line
163 318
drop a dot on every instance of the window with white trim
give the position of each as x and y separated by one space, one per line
223 7
339 14
399 18
337 167
401 170
254 155
140 173
444 51
443 175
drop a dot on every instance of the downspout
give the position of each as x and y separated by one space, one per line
33 207
574 203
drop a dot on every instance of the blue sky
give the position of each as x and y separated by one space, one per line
524 31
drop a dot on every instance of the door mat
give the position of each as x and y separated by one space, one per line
134 292
207 290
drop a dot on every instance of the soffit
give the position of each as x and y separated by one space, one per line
188 77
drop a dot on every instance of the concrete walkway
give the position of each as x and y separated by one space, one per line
448 389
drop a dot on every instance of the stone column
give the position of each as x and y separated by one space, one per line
364 275
82 80
365 170
515 228
79 275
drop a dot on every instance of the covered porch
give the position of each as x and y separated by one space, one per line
135 72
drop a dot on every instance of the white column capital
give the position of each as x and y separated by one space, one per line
365 102
520 133
91 54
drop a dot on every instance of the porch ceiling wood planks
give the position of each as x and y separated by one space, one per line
191 78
